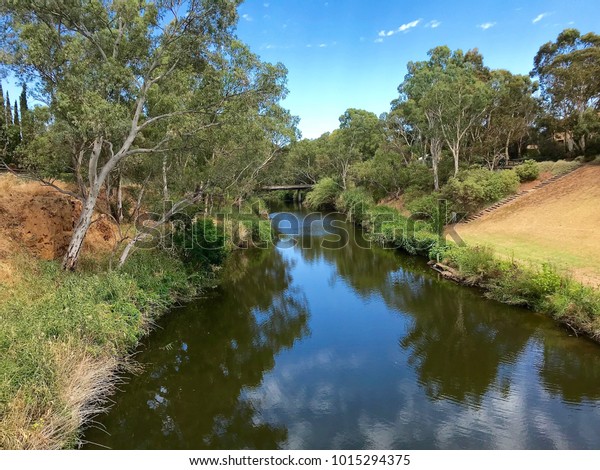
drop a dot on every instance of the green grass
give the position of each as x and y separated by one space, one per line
49 314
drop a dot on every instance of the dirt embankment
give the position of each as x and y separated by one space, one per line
39 220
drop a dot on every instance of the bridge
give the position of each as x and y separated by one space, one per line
289 187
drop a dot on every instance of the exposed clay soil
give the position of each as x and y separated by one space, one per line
40 220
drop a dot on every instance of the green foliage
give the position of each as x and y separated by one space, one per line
477 264
528 170
425 207
559 167
567 70
200 243
472 189
355 203
98 313
546 280
323 194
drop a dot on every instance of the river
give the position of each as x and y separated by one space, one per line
320 343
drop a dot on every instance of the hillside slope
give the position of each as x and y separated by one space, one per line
556 224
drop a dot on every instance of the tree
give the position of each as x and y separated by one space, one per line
357 139
568 71
445 98
26 116
13 130
510 116
129 78
3 128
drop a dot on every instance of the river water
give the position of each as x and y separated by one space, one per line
320 343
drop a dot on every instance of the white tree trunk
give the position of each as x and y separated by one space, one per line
83 224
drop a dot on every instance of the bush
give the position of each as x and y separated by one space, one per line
560 167
528 171
473 189
323 194
355 203
200 243
424 207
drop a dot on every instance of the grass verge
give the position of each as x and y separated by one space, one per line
65 337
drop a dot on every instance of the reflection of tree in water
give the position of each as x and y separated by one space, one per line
364 269
571 368
207 355
457 340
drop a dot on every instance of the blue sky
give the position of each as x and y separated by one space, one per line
353 54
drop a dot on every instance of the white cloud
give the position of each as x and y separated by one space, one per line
433 24
401 29
266 5
405 27
540 17
322 45
247 17
379 40
487 25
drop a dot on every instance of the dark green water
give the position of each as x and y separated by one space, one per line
317 348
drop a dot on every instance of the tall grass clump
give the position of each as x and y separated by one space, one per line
356 204
323 194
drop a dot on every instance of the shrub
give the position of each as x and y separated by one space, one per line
323 194
355 203
424 207
560 167
528 171
472 189
200 243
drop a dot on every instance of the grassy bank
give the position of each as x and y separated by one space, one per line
64 337
535 286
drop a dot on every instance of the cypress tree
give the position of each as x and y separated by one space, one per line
8 112
26 118
3 134
16 127
16 121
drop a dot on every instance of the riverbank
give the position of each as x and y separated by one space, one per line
537 287
66 337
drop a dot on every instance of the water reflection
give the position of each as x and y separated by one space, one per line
197 366
305 346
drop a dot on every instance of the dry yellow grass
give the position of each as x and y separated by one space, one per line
556 224
85 384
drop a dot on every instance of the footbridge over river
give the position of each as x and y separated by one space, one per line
289 187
